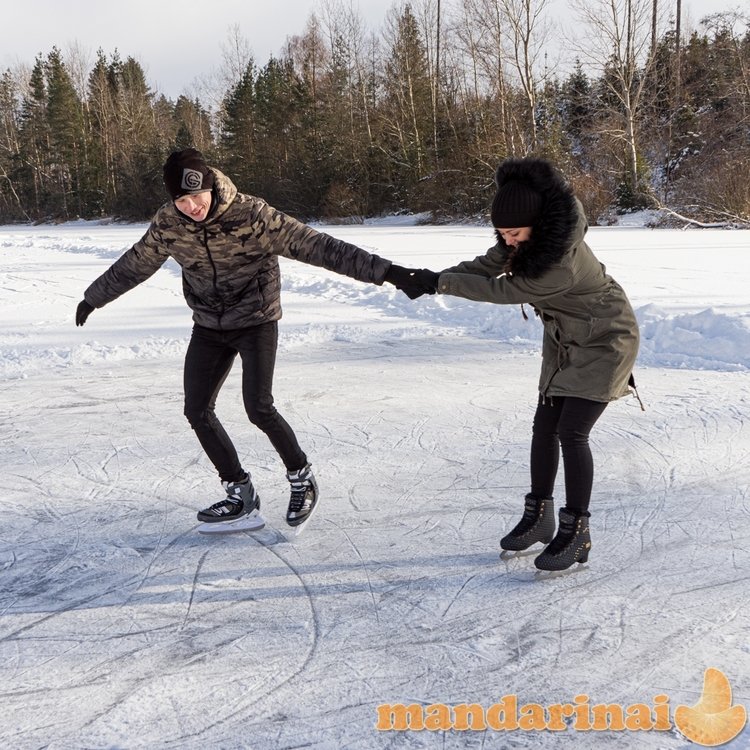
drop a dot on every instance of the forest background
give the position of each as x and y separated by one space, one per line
346 123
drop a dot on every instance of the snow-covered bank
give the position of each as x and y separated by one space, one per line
687 287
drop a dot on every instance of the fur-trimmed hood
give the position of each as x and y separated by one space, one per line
553 231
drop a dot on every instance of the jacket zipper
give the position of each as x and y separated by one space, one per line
559 364
215 274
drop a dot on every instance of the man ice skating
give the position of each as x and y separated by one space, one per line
227 245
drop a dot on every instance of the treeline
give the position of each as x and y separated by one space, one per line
344 122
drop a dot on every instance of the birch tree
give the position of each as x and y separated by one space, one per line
618 44
515 34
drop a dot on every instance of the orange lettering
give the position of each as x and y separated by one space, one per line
469 716
502 716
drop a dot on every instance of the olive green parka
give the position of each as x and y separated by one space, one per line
591 334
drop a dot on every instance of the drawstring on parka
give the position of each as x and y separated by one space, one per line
631 379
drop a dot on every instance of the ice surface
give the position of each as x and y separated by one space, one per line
121 627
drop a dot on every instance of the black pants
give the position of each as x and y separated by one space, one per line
209 359
564 422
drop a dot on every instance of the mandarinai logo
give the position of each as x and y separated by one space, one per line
712 721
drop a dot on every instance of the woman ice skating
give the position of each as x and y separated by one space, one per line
589 347
228 245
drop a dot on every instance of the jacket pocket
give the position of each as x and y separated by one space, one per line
577 331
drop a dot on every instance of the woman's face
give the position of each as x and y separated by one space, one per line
515 236
195 206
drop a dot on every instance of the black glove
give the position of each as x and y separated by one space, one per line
427 279
412 282
83 310
399 276
412 292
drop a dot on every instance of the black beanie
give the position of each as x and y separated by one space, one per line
515 205
186 172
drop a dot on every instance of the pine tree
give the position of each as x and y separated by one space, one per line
193 125
102 92
11 207
280 101
31 172
406 120
577 107
141 146
65 126
237 140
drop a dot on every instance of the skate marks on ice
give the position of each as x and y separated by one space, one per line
118 652
8 560
109 604
479 625
118 621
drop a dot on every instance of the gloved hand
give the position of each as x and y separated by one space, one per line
83 310
427 279
400 276
412 282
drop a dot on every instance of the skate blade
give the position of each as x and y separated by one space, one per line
510 554
250 522
297 530
546 575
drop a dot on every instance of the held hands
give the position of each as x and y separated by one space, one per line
83 310
411 281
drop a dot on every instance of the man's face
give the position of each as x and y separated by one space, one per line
194 206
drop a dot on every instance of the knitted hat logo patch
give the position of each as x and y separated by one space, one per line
192 179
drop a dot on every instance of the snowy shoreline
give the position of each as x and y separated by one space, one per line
692 315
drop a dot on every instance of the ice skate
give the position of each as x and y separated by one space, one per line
536 525
303 499
571 543
238 511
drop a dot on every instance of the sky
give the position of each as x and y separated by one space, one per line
180 43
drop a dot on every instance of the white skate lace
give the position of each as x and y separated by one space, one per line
225 505
298 495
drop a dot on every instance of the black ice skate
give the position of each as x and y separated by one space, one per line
571 544
536 525
238 511
303 499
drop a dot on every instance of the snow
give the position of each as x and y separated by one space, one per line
121 627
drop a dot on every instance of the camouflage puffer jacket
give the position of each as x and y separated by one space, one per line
230 266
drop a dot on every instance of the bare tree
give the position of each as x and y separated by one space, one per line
346 34
470 67
515 33
236 56
527 31
78 61
428 14
678 51
618 44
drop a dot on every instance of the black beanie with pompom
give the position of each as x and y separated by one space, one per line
515 205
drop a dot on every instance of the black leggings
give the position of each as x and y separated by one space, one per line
209 359
564 422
